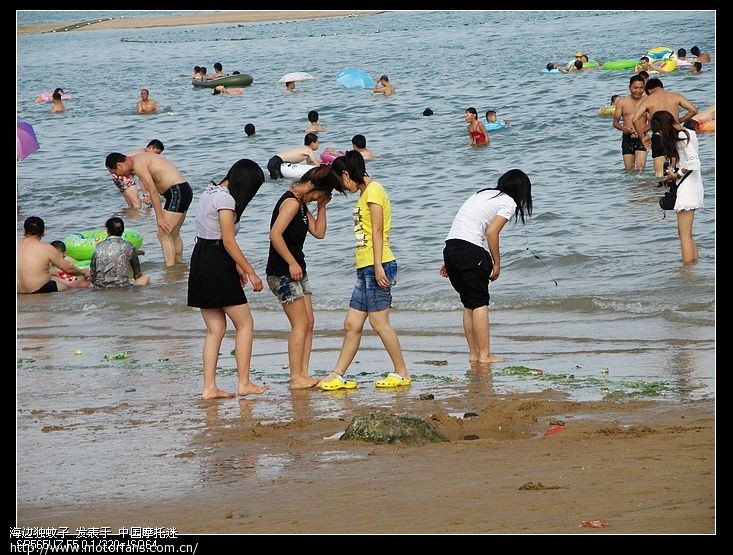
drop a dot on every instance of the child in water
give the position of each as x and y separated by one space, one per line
610 109
69 279
477 134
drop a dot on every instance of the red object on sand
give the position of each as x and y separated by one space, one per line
593 524
555 429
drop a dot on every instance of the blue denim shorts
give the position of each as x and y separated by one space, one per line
286 290
367 295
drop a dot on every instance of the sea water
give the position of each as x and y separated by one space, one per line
592 282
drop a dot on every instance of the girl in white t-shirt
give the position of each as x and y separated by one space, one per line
470 266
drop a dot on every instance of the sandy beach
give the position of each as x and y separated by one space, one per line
245 16
530 465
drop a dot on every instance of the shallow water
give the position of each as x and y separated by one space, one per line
592 291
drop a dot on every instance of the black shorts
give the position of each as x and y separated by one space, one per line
178 198
469 267
213 281
273 166
657 146
629 144
50 287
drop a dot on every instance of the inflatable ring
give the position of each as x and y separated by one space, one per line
494 125
659 53
328 156
607 110
628 63
669 64
48 95
80 246
706 126
295 171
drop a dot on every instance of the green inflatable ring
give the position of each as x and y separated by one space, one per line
80 246
628 63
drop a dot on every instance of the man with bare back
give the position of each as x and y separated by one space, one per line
35 258
158 176
659 100
305 153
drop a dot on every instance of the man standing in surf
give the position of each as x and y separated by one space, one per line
159 176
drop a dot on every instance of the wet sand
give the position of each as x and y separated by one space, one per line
244 16
107 454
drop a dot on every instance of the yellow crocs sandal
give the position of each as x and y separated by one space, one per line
337 383
393 380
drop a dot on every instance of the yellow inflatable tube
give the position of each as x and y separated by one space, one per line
669 64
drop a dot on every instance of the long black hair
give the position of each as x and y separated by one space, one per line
323 178
245 178
517 185
353 162
662 123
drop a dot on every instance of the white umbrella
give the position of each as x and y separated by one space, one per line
295 76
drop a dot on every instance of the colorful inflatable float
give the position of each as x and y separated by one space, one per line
294 171
328 156
80 246
48 95
627 63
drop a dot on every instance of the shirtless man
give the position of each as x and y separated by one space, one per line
221 89
358 142
159 176
58 105
632 149
126 184
703 116
659 100
383 86
313 125
146 105
702 57
305 153
34 259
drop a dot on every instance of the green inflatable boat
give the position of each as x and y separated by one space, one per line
236 80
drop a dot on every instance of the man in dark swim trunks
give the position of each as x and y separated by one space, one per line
632 149
159 176
35 258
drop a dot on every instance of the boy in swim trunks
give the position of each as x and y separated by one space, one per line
297 155
158 176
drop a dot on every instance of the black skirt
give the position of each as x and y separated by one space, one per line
213 281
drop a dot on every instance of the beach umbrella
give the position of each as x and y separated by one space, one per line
354 78
295 76
26 142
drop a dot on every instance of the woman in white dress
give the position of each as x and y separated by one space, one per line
680 146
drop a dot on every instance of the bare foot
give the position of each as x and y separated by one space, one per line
304 383
216 394
491 359
252 388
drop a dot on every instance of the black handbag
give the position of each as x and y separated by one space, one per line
669 199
